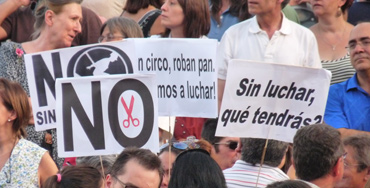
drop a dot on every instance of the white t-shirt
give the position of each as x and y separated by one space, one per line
293 44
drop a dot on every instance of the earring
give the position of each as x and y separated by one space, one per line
339 12
8 119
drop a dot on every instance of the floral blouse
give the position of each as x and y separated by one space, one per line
21 169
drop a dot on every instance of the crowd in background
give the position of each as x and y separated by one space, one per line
329 34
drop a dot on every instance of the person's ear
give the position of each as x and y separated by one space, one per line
108 181
338 168
367 176
13 116
49 15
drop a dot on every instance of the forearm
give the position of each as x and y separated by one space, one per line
350 132
8 7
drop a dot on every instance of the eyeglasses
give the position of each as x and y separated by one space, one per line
123 184
232 144
364 43
109 38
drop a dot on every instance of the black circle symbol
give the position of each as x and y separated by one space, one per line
99 60
114 98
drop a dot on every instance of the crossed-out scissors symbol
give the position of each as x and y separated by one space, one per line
126 122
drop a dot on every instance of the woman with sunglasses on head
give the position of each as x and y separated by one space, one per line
169 152
22 163
57 24
196 169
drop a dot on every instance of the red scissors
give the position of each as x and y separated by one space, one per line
126 122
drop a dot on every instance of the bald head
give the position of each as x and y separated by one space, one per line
359 47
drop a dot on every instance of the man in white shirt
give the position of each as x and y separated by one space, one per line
267 37
247 172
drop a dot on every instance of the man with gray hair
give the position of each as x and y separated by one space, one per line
248 172
357 163
318 155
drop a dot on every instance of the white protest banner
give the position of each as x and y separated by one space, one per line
263 100
101 115
187 76
185 68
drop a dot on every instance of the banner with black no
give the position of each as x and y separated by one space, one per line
263 100
102 115
185 69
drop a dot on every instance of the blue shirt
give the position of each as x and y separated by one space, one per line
348 106
217 30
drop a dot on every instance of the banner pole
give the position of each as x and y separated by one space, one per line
102 168
170 146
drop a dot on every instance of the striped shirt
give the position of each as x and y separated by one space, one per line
243 174
341 69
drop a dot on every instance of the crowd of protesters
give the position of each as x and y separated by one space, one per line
335 153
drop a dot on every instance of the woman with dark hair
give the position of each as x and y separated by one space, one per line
22 163
196 169
186 18
289 184
169 152
146 15
225 13
57 22
79 176
119 28
332 34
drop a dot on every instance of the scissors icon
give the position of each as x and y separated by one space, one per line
126 122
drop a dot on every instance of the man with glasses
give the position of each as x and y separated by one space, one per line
357 163
225 150
135 168
318 155
247 172
348 105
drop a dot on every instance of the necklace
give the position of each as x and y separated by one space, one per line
333 46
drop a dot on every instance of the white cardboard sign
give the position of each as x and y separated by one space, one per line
263 100
104 114
185 68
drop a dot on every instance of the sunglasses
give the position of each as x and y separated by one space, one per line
189 143
232 144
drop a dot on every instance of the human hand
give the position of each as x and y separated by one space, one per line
20 3
48 138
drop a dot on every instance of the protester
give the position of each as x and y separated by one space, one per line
225 13
332 32
186 19
357 162
79 176
267 37
119 28
318 155
248 172
146 15
167 157
21 162
136 168
56 24
196 169
348 104
17 22
168 154
225 150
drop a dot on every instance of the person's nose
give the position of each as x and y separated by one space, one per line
164 6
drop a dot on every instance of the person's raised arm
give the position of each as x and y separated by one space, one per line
7 8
